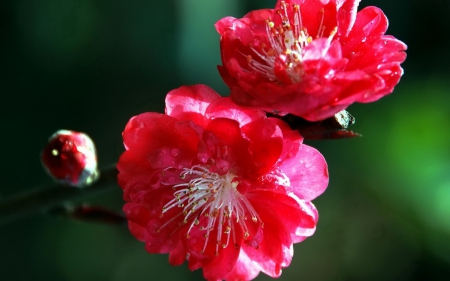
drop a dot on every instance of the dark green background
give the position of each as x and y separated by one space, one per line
91 65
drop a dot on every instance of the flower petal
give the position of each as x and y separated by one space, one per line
309 176
190 102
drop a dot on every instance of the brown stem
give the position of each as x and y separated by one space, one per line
48 197
331 128
52 197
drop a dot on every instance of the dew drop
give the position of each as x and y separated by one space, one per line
230 266
255 244
174 152
308 165
364 39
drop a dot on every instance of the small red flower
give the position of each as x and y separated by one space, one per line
70 158
221 186
310 58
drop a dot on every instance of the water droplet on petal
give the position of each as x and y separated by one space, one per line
174 152
230 266
255 244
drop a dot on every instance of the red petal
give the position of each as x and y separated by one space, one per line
346 16
178 255
370 24
222 265
309 176
273 252
190 103
224 140
245 268
225 108
266 143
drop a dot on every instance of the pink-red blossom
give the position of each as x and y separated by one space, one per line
219 185
310 58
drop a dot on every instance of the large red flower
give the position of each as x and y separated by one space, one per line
310 58
221 186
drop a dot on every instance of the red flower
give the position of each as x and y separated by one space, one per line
219 185
310 58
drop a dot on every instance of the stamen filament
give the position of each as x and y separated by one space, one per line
289 39
215 200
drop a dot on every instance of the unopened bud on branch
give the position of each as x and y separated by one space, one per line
70 158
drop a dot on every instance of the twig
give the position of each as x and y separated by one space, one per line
50 196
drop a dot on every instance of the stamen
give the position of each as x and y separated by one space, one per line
215 200
321 27
289 38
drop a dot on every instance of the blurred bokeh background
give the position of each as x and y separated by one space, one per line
91 65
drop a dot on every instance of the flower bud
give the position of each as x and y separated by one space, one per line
70 158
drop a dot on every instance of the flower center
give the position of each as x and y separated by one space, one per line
287 41
216 198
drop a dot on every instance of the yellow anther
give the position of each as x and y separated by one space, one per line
333 31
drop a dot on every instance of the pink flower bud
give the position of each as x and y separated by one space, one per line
70 158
